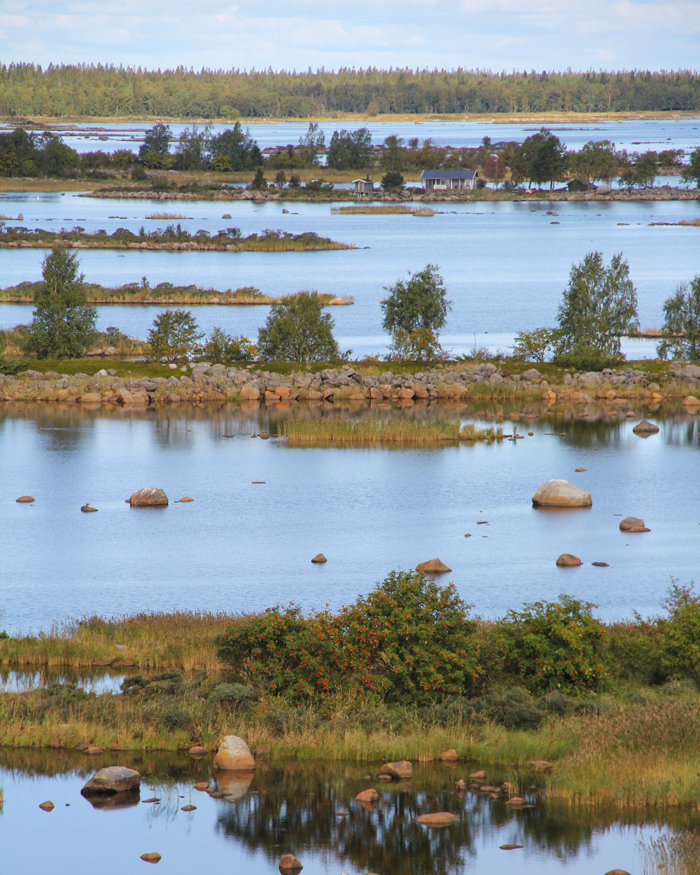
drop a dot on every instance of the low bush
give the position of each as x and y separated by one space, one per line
554 646
408 641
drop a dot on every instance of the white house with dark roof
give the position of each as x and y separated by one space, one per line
441 180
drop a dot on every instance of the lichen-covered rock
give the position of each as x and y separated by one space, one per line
234 755
113 779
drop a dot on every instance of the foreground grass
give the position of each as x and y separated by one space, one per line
405 432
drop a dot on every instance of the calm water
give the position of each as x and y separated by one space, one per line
244 547
505 264
288 807
636 135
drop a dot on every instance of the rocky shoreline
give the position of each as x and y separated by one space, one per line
412 195
204 383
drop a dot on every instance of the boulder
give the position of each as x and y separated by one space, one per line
319 559
449 756
433 566
249 392
645 428
197 750
290 863
370 795
561 493
149 496
87 509
633 524
398 770
25 499
113 779
151 857
438 818
477 776
234 755
201 786
509 847
691 401
47 806
568 560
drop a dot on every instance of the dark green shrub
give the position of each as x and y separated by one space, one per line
4 635
634 651
175 719
680 633
232 694
556 703
512 708
138 174
554 646
584 358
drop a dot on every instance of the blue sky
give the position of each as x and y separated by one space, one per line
489 34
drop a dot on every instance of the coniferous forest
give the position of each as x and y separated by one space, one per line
99 91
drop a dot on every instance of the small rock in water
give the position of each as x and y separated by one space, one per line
645 428
197 750
319 559
25 499
561 493
579 470
151 857
114 779
601 564
370 795
509 847
399 770
568 560
433 566
185 499
201 785
633 524
149 496
438 818
87 509
153 800
47 806
290 863
188 808
477 776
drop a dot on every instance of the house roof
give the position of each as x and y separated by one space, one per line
371 181
449 174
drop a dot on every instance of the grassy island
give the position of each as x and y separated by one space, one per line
392 432
163 293
173 238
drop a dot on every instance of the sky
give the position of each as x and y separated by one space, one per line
298 34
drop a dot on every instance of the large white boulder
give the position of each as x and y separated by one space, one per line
561 493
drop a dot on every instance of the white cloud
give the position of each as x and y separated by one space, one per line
495 34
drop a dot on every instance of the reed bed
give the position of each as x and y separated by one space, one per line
181 639
393 209
166 216
397 432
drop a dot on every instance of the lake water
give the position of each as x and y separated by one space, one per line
505 265
242 546
293 807
635 135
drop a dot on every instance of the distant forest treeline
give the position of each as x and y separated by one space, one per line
88 90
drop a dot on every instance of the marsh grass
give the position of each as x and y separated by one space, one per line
677 854
375 210
182 639
166 216
396 432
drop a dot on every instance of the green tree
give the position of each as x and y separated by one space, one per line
311 145
392 157
224 347
535 345
595 160
598 306
156 139
392 179
63 324
414 312
350 150
541 158
174 335
691 173
682 323
297 330
192 150
237 146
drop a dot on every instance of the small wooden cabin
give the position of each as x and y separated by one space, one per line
442 180
363 186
